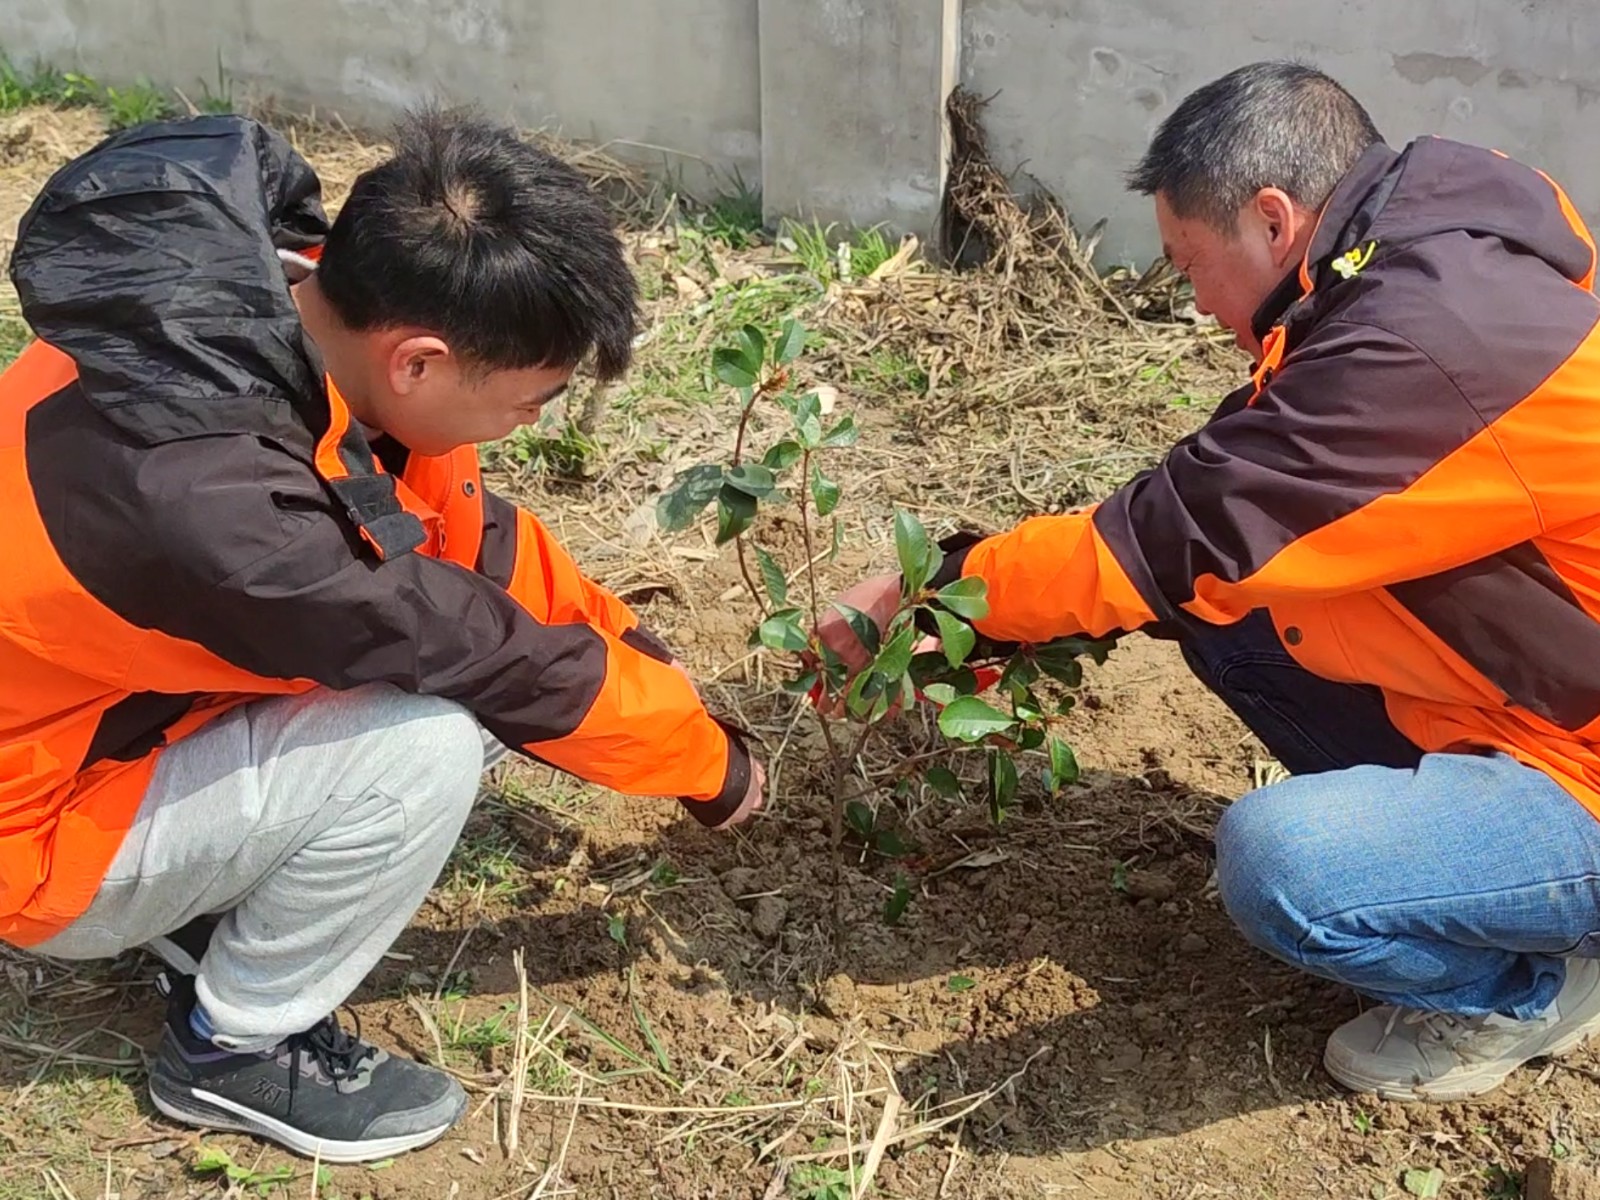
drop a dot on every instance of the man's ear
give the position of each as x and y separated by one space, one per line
1284 223
413 359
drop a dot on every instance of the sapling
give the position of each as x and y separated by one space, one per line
927 653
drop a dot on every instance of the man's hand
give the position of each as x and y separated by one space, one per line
754 797
879 598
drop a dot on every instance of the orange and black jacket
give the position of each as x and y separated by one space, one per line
192 519
1410 485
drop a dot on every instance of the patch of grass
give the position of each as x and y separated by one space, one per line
487 864
828 258
14 339
563 451
735 217
888 371
43 85
672 365
220 102
137 104
477 1038
818 1181
212 1160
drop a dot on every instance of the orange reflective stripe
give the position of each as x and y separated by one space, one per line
1578 227
1271 359
1468 505
329 465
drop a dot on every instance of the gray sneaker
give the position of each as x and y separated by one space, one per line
324 1093
1411 1054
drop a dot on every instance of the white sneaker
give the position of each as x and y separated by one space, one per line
1411 1054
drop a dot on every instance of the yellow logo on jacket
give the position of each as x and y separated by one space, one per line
1350 263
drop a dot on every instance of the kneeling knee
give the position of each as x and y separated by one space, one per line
434 744
1266 871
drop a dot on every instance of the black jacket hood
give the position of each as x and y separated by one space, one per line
152 261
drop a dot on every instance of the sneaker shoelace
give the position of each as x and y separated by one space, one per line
339 1055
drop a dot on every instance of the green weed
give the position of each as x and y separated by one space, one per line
135 105
735 217
14 338
890 372
827 258
479 1037
211 1160
487 864
817 1181
43 85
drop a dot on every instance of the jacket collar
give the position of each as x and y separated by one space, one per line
1344 221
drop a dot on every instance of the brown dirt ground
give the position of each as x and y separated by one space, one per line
1063 1011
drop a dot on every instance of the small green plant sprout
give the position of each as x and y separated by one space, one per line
211 1160
928 652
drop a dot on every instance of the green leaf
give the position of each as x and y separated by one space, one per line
1119 877
736 512
824 491
895 907
752 479
863 626
803 685
679 506
968 719
1020 672
940 693
617 928
956 638
966 598
916 552
860 818
772 578
841 435
782 456
1424 1184
960 983
943 781
731 368
783 631
1002 784
890 844
808 421
895 659
1025 705
791 341
209 1158
1063 765
753 344
1031 738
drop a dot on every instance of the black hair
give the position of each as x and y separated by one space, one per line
501 249
1270 124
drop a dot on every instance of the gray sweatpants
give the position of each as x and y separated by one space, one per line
316 823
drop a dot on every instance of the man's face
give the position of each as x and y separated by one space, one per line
1233 272
434 403
421 394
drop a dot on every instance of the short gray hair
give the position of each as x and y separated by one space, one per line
1270 124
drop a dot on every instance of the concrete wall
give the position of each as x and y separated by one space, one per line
677 80
1083 83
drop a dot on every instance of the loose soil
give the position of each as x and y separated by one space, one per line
1063 1010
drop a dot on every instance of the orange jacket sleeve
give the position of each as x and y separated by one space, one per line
1361 465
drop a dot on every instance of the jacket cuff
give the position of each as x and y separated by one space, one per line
728 805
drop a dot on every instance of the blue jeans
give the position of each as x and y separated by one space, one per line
1450 882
